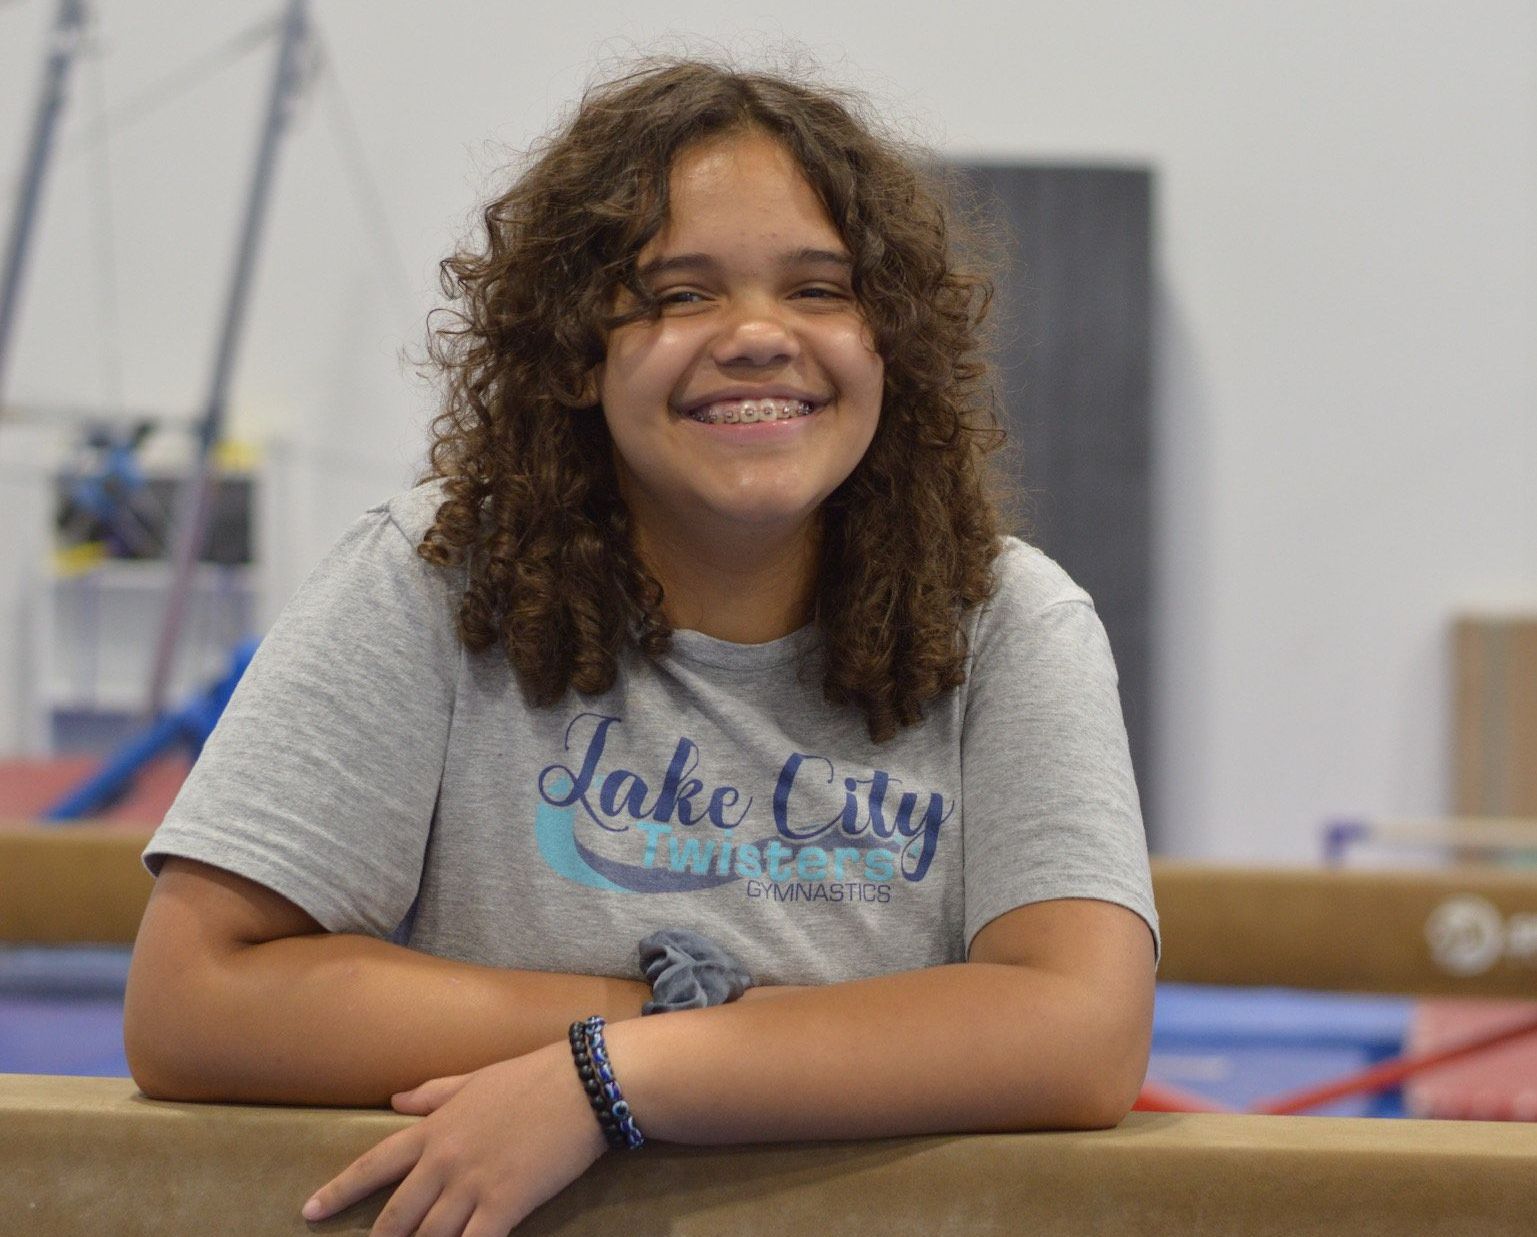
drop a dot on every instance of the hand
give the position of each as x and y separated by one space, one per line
493 1145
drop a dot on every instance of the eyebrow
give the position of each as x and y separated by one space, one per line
704 262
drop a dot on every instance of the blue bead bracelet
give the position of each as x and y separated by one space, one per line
597 1075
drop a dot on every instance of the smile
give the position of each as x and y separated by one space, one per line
750 411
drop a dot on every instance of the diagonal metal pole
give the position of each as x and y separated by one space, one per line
64 43
195 501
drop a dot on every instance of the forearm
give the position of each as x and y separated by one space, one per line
966 1047
343 1019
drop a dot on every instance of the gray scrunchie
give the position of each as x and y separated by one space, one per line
689 971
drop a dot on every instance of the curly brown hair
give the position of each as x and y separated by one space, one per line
532 502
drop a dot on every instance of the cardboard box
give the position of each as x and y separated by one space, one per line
1495 731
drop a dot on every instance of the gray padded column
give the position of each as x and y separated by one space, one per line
1074 351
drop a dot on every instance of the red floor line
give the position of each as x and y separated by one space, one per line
1387 1074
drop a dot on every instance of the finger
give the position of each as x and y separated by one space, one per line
448 1216
413 1198
389 1161
428 1097
491 1222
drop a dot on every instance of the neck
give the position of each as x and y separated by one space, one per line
740 584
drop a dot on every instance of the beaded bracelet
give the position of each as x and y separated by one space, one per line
597 1075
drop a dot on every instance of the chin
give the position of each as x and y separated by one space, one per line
768 516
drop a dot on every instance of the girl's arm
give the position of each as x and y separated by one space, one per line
1047 1026
237 994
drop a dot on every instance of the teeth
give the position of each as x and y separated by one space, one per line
749 411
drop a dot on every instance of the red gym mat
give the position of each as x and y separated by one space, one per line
28 787
1499 1084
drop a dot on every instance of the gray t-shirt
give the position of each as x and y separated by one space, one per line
386 780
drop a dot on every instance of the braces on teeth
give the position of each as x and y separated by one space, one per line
747 411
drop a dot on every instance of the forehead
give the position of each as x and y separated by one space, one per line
737 188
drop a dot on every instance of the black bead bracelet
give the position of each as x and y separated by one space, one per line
597 1075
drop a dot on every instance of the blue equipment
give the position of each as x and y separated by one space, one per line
190 724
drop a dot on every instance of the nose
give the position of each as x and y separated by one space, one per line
754 335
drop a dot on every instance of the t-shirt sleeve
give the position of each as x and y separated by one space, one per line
1050 800
321 777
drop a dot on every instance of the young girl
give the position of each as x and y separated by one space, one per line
702 621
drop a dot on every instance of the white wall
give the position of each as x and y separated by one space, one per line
1346 214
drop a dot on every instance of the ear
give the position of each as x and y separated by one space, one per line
592 385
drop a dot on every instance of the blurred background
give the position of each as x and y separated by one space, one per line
1310 379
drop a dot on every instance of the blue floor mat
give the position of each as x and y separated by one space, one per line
1238 1046
61 1011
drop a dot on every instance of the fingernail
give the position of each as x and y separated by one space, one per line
311 1210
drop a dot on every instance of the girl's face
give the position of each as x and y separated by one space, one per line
756 392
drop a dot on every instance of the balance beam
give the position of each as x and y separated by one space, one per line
1467 931
91 1155
71 884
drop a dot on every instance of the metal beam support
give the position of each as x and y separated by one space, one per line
195 502
64 42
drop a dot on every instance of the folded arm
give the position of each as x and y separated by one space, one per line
1047 1026
237 994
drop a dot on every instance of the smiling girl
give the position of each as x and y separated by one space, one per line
702 620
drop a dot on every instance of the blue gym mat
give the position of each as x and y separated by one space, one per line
61 1011
1238 1046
